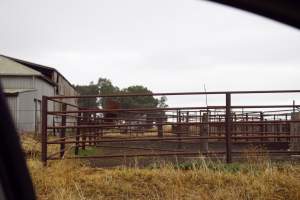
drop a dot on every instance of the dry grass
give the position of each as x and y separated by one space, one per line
201 180
73 180
32 146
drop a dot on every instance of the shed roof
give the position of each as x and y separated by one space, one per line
9 67
47 71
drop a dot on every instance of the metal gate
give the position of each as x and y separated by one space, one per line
221 131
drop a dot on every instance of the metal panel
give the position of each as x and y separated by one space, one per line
44 89
12 102
23 106
26 121
17 82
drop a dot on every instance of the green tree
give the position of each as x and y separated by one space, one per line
90 89
105 87
138 101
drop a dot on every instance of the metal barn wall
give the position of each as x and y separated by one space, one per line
23 106
45 89
26 112
17 82
12 102
64 88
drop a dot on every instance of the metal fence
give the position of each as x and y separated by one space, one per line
224 131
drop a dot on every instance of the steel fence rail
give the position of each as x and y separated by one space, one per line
226 124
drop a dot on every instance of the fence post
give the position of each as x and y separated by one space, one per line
84 131
44 130
261 118
187 120
246 127
179 129
77 133
90 130
95 129
160 126
219 126
204 132
63 130
228 128
235 127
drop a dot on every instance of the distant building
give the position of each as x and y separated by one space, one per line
24 84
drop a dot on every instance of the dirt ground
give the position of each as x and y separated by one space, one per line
146 147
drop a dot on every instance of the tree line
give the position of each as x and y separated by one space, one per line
104 86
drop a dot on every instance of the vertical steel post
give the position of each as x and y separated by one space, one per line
219 126
179 129
275 130
235 128
84 131
286 127
187 120
95 131
294 106
89 122
63 130
77 134
44 130
160 126
246 127
262 125
187 117
204 132
228 128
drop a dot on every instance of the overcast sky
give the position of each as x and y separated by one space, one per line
166 45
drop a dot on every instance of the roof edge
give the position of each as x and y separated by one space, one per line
30 64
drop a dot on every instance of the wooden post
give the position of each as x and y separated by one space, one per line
228 128
44 130
63 130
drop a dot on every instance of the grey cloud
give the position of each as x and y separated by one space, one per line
167 45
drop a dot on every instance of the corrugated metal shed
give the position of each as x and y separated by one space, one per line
25 83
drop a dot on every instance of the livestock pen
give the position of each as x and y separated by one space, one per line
220 131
